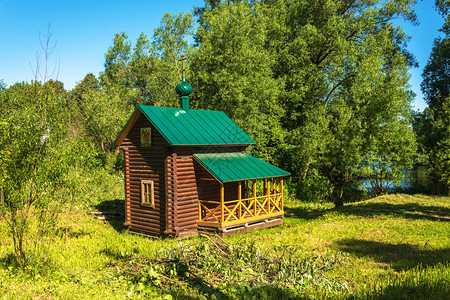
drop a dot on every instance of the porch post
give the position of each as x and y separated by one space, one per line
240 198
254 197
222 204
281 188
267 195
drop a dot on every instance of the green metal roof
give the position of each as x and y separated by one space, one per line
195 127
234 166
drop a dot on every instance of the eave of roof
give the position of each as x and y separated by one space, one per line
126 129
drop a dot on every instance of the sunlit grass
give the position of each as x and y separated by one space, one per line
397 245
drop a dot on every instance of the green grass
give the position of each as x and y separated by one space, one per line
396 247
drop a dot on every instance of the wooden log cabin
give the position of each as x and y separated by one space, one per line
186 171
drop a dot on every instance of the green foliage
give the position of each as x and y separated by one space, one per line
2 85
35 161
322 87
216 267
169 43
367 102
4 155
433 126
435 84
148 72
98 114
443 7
232 71
440 161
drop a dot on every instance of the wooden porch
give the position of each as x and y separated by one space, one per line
259 203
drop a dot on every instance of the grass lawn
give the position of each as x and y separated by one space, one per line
389 247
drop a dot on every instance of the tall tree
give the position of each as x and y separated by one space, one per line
2 85
324 63
160 68
436 88
148 72
33 171
232 71
99 113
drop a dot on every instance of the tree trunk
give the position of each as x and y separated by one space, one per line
338 201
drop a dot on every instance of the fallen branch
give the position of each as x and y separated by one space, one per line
214 262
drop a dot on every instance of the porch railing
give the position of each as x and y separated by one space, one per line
225 213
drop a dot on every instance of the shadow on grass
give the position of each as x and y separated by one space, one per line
8 260
238 292
413 290
406 210
305 213
398 256
116 207
368 209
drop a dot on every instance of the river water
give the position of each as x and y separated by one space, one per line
416 181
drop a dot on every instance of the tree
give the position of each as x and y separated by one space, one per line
148 72
436 78
232 71
169 43
436 118
35 155
99 112
341 55
4 158
330 76
34 168
2 85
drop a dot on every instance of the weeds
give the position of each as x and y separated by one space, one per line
423 283
390 247
214 265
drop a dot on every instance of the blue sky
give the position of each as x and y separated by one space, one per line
83 31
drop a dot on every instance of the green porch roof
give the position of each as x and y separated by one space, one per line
235 166
192 127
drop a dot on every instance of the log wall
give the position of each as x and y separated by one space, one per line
145 163
186 214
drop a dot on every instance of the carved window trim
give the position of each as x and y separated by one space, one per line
146 137
147 193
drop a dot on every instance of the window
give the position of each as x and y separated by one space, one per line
146 137
147 194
